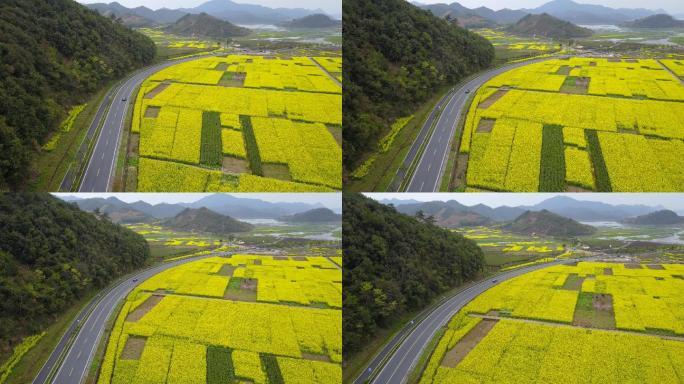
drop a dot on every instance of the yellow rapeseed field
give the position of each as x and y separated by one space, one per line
646 302
241 123
237 318
622 124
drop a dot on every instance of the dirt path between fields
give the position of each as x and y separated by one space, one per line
467 343
551 323
333 78
681 80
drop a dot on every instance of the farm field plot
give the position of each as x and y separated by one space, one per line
167 243
578 124
500 38
505 249
510 47
593 320
240 123
240 318
169 45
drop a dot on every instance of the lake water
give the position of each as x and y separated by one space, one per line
263 27
603 27
263 221
610 224
672 239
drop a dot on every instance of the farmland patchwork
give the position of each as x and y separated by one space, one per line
239 318
578 124
241 123
590 320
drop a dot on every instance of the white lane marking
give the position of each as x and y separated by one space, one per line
484 284
97 144
71 371
420 162
102 155
98 172
79 354
446 151
437 310
116 146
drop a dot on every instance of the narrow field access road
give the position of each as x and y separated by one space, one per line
88 329
401 360
563 325
102 164
333 78
428 173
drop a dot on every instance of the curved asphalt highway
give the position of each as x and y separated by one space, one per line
428 174
400 362
100 170
73 369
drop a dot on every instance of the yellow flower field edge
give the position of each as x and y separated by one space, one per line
19 351
64 127
383 146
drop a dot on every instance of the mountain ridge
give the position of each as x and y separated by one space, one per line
317 20
567 10
316 215
547 223
237 13
660 20
225 204
662 217
206 221
580 210
547 26
206 25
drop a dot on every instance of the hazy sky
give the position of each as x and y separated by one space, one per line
671 6
330 6
330 200
674 201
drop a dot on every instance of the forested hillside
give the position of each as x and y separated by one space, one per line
396 56
549 224
53 55
394 263
51 253
204 220
547 26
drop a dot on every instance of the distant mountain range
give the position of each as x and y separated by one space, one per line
205 220
655 21
545 25
317 215
663 217
450 214
206 25
224 204
453 214
318 20
227 10
548 223
567 10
